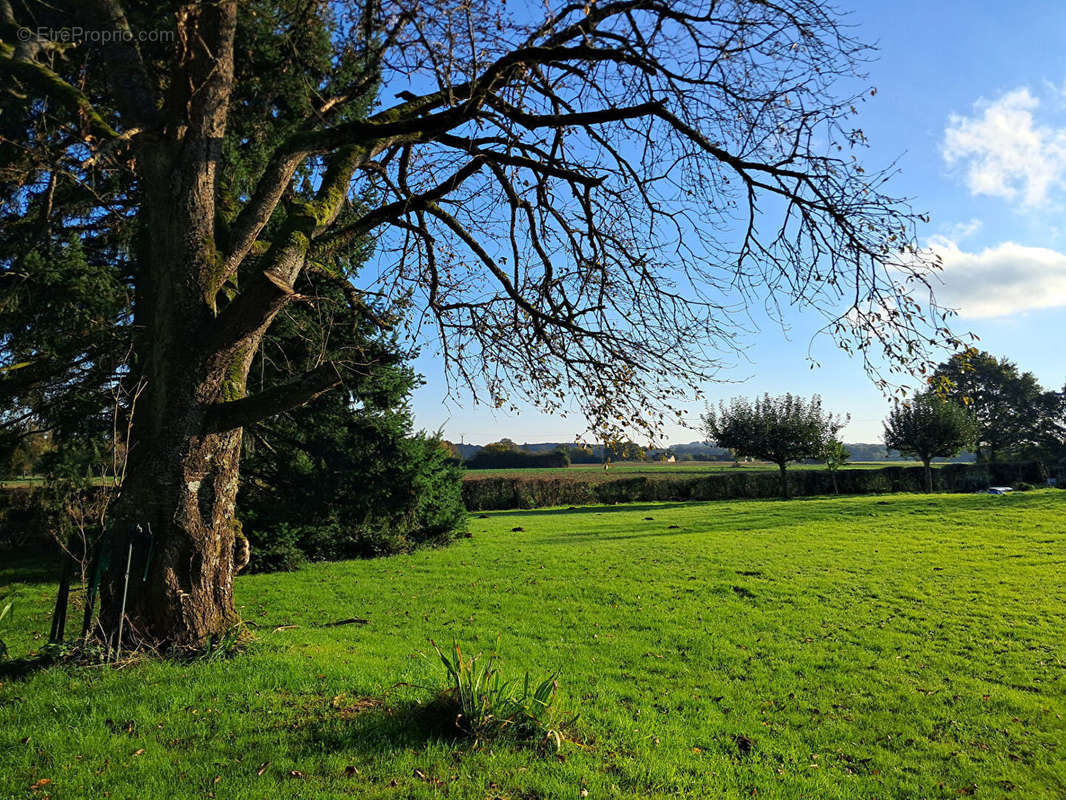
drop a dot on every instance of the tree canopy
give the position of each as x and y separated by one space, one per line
624 144
929 426
1008 405
777 429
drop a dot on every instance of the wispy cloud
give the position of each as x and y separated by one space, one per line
1006 151
1002 280
959 231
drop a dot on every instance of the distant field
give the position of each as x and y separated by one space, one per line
590 471
631 468
22 483
897 647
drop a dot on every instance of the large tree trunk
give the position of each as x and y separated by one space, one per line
182 469
192 353
183 464
928 475
784 480
184 486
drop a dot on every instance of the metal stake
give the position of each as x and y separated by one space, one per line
59 617
122 608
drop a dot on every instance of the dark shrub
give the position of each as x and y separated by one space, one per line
23 519
343 476
276 547
401 495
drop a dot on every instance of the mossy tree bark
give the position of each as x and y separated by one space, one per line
182 474
193 358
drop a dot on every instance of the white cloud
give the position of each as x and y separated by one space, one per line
1005 151
1006 279
1056 90
958 231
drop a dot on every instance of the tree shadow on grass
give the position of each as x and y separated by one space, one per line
28 566
373 728
20 669
584 510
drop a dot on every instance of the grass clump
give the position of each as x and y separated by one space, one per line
480 704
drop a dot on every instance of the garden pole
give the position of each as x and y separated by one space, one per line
59 617
122 608
96 567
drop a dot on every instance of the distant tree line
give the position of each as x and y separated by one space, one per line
685 452
518 455
972 401
505 454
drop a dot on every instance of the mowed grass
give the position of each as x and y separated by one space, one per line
632 469
898 646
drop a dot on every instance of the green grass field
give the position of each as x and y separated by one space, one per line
628 469
898 646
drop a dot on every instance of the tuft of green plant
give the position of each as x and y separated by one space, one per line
231 642
3 613
483 706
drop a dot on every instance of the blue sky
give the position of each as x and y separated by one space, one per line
971 100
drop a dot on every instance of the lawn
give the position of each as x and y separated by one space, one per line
898 646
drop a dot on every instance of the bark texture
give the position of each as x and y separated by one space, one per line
182 476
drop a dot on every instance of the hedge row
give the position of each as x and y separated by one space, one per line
23 520
485 494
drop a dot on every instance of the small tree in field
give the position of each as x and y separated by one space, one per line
929 427
835 455
778 429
